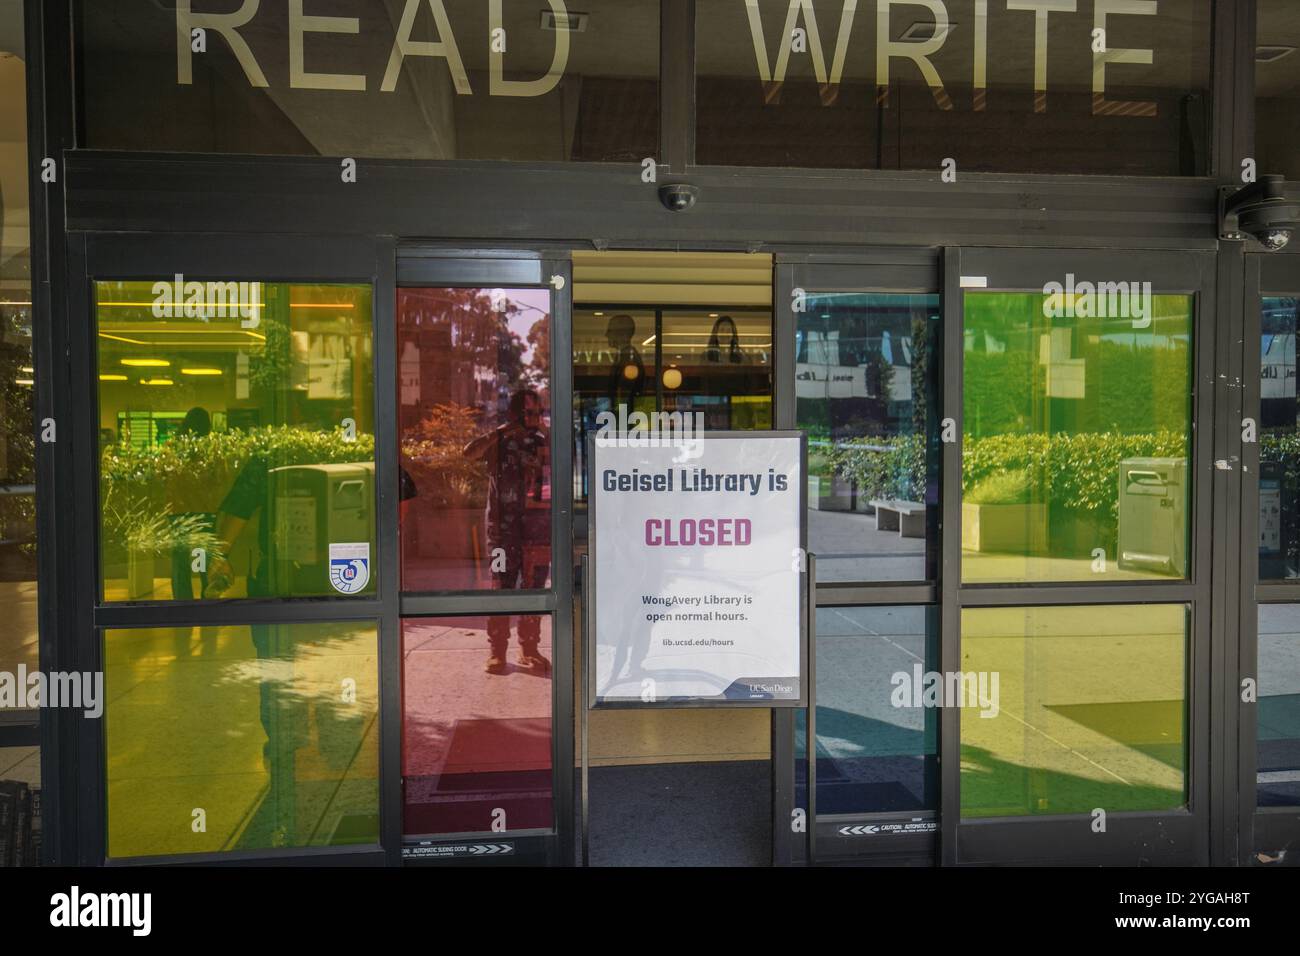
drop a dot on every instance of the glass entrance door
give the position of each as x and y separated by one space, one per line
863 379
1077 577
1269 778
1012 555
485 549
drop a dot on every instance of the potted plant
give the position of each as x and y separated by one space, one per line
999 514
148 534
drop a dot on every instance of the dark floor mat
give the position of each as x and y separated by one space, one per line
682 814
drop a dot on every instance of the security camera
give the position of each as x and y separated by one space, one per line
678 197
1259 210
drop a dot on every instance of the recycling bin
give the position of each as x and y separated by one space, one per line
322 529
1153 515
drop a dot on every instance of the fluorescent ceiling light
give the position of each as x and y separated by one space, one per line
924 30
571 22
1271 54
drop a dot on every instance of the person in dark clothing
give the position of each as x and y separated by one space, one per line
627 375
724 343
517 455
198 423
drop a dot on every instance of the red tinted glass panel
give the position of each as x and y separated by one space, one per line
474 420
476 727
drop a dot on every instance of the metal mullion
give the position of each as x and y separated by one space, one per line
84 645
1249 589
344 856
787 846
562 558
1048 595
1216 436
858 595
234 613
50 127
677 84
1274 592
460 269
1227 148
950 562
388 539
473 605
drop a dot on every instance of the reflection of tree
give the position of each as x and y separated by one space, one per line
17 449
539 337
924 378
433 454
484 332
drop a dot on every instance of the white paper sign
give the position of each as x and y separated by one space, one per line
697 562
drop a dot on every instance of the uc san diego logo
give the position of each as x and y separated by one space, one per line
349 567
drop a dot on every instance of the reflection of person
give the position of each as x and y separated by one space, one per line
517 455
725 327
197 422
282 710
627 376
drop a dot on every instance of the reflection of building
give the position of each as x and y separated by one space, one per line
824 372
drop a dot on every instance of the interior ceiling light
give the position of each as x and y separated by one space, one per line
202 371
156 381
924 30
1271 54
147 363
111 377
571 22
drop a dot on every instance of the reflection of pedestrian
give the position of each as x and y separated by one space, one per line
198 423
725 328
627 376
517 456
282 707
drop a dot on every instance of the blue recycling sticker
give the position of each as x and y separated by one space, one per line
349 567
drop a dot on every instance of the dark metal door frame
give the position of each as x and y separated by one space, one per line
263 258
1181 836
431 265
1170 837
897 270
1262 832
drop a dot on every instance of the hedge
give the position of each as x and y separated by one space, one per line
1077 472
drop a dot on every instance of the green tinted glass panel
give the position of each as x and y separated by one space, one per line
271 731
1070 708
236 440
1076 436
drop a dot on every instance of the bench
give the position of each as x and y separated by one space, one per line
905 517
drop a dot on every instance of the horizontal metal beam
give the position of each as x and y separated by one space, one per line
609 204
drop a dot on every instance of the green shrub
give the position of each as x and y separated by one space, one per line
1076 473
883 467
192 473
1008 488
